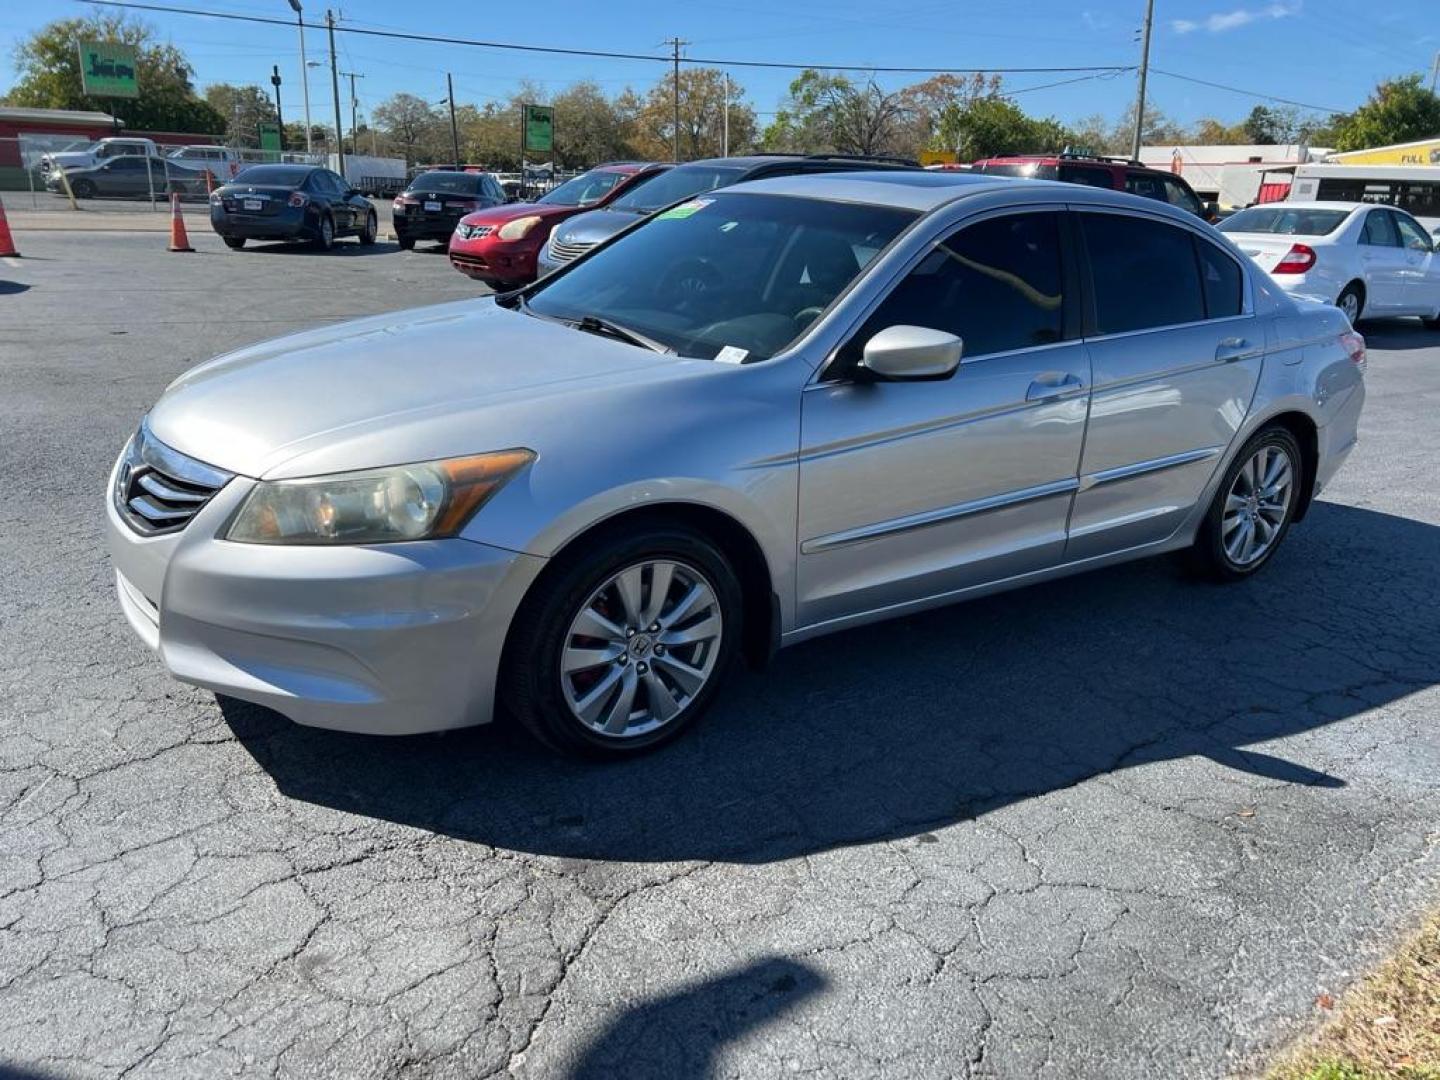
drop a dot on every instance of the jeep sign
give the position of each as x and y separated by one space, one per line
107 69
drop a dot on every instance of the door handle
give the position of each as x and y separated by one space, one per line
1232 348
1055 385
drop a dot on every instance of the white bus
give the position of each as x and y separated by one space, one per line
1414 188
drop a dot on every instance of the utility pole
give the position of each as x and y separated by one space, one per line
335 90
304 74
454 131
725 138
279 116
1435 71
1144 74
354 125
675 44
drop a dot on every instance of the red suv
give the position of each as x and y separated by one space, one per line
1119 174
498 246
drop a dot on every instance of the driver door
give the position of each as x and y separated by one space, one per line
1420 294
910 490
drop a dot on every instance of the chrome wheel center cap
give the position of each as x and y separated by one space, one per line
641 646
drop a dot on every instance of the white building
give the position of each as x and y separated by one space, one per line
1230 175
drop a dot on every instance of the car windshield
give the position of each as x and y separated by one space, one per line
728 276
1033 169
585 189
677 184
1288 221
279 175
453 183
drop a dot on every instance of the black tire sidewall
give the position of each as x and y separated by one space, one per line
1352 290
1211 546
320 241
531 686
371 229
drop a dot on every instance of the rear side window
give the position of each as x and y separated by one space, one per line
1090 175
1145 273
1224 284
995 284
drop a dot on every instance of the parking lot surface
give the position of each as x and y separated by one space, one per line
1125 825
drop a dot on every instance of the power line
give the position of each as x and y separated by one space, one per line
555 50
1247 93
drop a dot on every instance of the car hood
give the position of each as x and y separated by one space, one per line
594 226
457 378
498 215
70 159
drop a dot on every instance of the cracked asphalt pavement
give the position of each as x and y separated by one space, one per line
1124 825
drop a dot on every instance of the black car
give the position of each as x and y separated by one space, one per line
291 202
434 202
131 175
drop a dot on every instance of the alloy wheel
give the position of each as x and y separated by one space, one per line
641 648
1256 505
1350 304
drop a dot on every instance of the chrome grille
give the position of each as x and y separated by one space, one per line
564 252
158 490
473 232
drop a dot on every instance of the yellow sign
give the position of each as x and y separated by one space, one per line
1425 152
938 157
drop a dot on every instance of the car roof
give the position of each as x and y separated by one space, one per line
926 191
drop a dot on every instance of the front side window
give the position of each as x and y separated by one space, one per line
1177 194
1146 185
1144 272
741 274
995 284
1379 230
1411 235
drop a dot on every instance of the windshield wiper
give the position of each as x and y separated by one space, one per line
593 324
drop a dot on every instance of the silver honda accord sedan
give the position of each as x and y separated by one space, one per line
771 412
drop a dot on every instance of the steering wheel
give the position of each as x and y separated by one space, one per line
688 280
805 316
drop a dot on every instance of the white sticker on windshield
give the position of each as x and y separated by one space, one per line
731 354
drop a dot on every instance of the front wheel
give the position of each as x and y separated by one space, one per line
1253 508
235 243
624 646
371 229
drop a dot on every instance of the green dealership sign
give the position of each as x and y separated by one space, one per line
107 69
539 123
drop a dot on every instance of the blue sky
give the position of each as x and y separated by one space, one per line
1316 51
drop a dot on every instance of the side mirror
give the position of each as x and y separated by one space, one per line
1212 211
911 353
1419 245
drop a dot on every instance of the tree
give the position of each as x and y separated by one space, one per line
829 112
412 127
1400 110
702 117
245 108
588 127
927 102
992 126
1212 132
49 68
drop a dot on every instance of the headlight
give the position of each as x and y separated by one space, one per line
376 506
515 230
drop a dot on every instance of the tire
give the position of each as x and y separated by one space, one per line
325 233
1432 324
83 189
1221 552
234 243
371 229
582 589
1352 294
407 243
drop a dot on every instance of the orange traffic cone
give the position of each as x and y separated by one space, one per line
179 241
7 244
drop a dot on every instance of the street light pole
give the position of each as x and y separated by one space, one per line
725 141
279 116
304 74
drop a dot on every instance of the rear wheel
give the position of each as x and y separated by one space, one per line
370 229
325 235
624 646
234 242
1253 508
407 243
83 189
1351 301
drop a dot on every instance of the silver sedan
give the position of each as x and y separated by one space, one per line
772 412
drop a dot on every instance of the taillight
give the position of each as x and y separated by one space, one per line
1354 346
1300 258
298 198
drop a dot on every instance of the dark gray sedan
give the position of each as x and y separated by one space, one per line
291 202
131 176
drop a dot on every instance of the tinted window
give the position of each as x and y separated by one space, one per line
454 183
1224 284
1145 273
1145 184
674 185
127 164
280 175
1289 222
743 271
1411 235
1177 194
1091 175
995 284
1379 230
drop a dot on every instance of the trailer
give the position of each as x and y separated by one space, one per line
378 177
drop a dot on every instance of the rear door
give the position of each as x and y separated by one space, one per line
1176 354
1383 263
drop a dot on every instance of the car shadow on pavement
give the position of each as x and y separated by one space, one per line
1397 335
343 246
904 727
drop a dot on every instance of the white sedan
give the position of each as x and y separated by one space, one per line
1370 261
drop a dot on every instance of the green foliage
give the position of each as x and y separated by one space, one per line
1400 110
49 76
245 108
993 126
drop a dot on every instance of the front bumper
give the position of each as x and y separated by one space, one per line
389 639
425 226
494 261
